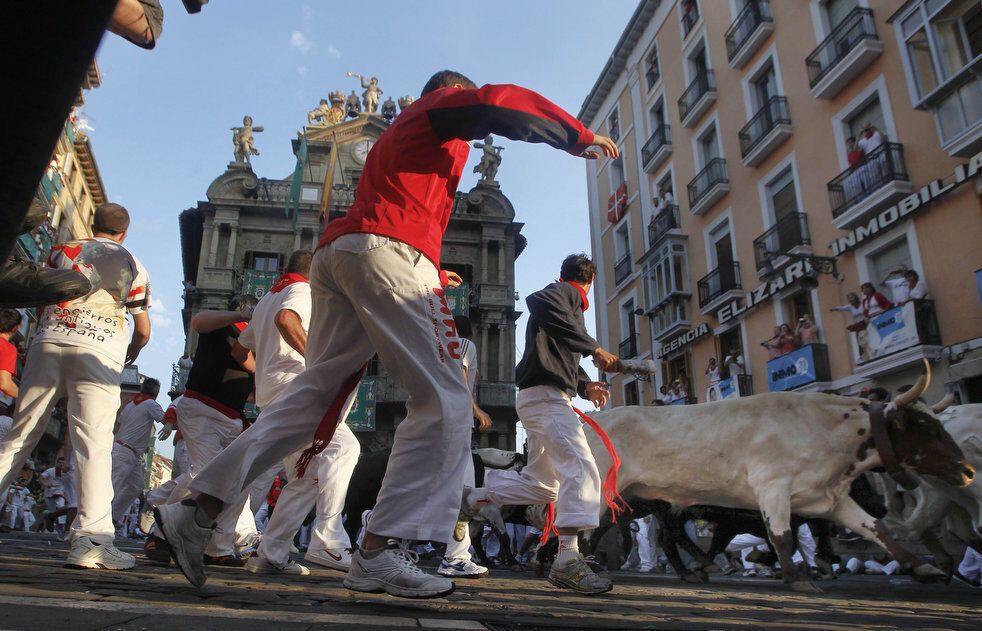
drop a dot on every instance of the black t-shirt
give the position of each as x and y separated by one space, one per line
216 374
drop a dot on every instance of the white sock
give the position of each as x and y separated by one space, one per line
569 549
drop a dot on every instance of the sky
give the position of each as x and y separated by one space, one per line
160 122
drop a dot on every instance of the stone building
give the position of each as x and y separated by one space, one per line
240 238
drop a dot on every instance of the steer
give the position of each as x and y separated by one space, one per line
781 453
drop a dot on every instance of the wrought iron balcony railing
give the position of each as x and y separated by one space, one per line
660 137
628 348
880 167
622 269
788 233
753 15
666 219
856 27
714 173
775 112
724 278
703 83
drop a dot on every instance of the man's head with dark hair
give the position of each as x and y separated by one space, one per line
464 328
10 320
299 263
911 275
578 268
110 219
243 303
150 386
446 79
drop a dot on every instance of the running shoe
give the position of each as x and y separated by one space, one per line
461 568
259 565
91 553
337 559
394 571
157 549
578 576
186 538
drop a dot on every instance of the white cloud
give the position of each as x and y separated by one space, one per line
300 42
302 71
333 51
159 316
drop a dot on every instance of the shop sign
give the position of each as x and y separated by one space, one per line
891 331
684 339
792 370
764 291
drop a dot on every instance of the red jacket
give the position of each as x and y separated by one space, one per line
407 188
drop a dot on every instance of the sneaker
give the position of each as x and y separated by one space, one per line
578 576
175 522
259 565
157 549
26 284
223 560
461 568
765 572
339 559
394 572
751 573
248 545
88 553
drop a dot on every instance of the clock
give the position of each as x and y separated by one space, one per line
359 151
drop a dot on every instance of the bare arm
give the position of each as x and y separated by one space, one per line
7 384
290 326
141 335
208 321
483 418
244 357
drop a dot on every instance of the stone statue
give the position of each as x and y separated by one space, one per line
490 161
328 114
242 141
405 102
389 110
371 94
318 115
352 106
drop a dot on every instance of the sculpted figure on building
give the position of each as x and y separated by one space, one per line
243 141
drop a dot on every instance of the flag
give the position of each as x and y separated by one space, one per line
293 199
329 181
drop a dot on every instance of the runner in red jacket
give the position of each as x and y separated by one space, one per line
375 284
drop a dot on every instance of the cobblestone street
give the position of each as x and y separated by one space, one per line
36 592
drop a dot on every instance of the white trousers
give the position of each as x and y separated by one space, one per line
181 461
326 488
461 550
91 384
129 472
372 294
745 544
560 467
971 565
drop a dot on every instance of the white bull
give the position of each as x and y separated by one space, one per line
778 453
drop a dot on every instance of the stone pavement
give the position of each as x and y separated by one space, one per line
36 592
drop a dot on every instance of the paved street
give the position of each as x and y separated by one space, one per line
36 592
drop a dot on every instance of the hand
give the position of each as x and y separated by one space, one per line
597 393
165 432
132 352
605 361
607 146
483 420
454 279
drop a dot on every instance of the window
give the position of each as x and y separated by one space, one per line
698 63
666 287
764 86
652 72
782 196
658 117
677 369
614 126
888 258
872 112
616 170
941 39
622 241
798 305
690 15
728 343
628 346
721 250
632 395
836 11
709 146
264 261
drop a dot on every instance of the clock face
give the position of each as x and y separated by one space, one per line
360 150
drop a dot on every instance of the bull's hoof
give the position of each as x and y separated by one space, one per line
692 577
806 587
517 567
927 573
703 575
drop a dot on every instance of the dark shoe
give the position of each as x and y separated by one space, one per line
36 215
226 560
157 549
25 284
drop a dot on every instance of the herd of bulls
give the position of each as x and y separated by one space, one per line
761 464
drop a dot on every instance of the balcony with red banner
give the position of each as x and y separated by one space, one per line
617 204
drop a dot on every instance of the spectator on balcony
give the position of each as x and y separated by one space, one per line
876 165
713 371
665 395
806 332
772 344
783 342
733 363
905 285
853 184
874 303
858 326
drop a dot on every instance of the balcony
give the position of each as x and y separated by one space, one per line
697 98
666 220
221 279
789 234
709 186
801 367
749 30
257 282
490 394
847 51
869 186
622 269
628 348
765 132
657 149
897 339
718 286
670 316
689 17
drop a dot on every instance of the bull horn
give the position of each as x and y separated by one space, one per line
943 404
911 395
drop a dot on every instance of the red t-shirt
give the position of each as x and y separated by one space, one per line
8 357
406 191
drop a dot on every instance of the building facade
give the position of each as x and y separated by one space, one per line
740 203
239 240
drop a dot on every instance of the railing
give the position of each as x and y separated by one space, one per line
745 383
661 136
802 366
775 112
496 394
622 269
753 15
911 324
666 219
856 27
714 173
724 278
788 233
690 17
628 348
703 82
877 169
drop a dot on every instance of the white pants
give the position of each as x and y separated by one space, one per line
28 519
328 489
806 546
11 515
971 565
745 544
560 467
372 294
129 472
91 384
645 557
888 568
181 461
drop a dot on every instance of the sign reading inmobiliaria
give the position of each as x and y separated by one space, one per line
892 331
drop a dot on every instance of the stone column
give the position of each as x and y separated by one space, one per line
503 354
484 346
502 280
296 238
484 261
216 228
230 256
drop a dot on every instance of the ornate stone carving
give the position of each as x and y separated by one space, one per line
490 161
243 142
370 96
352 106
389 110
405 102
328 113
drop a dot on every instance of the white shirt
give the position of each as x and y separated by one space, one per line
714 375
52 483
871 144
468 357
734 365
136 423
858 313
276 362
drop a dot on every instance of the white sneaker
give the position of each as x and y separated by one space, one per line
259 565
339 559
176 524
394 572
461 568
88 553
248 545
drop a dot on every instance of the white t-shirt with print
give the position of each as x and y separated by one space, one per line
469 359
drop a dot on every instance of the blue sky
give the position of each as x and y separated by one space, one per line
160 121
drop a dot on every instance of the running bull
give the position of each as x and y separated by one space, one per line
782 453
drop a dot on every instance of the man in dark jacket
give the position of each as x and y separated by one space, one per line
560 467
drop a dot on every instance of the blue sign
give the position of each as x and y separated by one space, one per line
791 370
728 388
889 322
679 402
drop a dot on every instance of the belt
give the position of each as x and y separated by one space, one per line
212 403
135 452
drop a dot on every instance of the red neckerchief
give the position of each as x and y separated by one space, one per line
240 326
140 398
579 288
286 280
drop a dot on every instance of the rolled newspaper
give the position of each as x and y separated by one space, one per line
638 365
